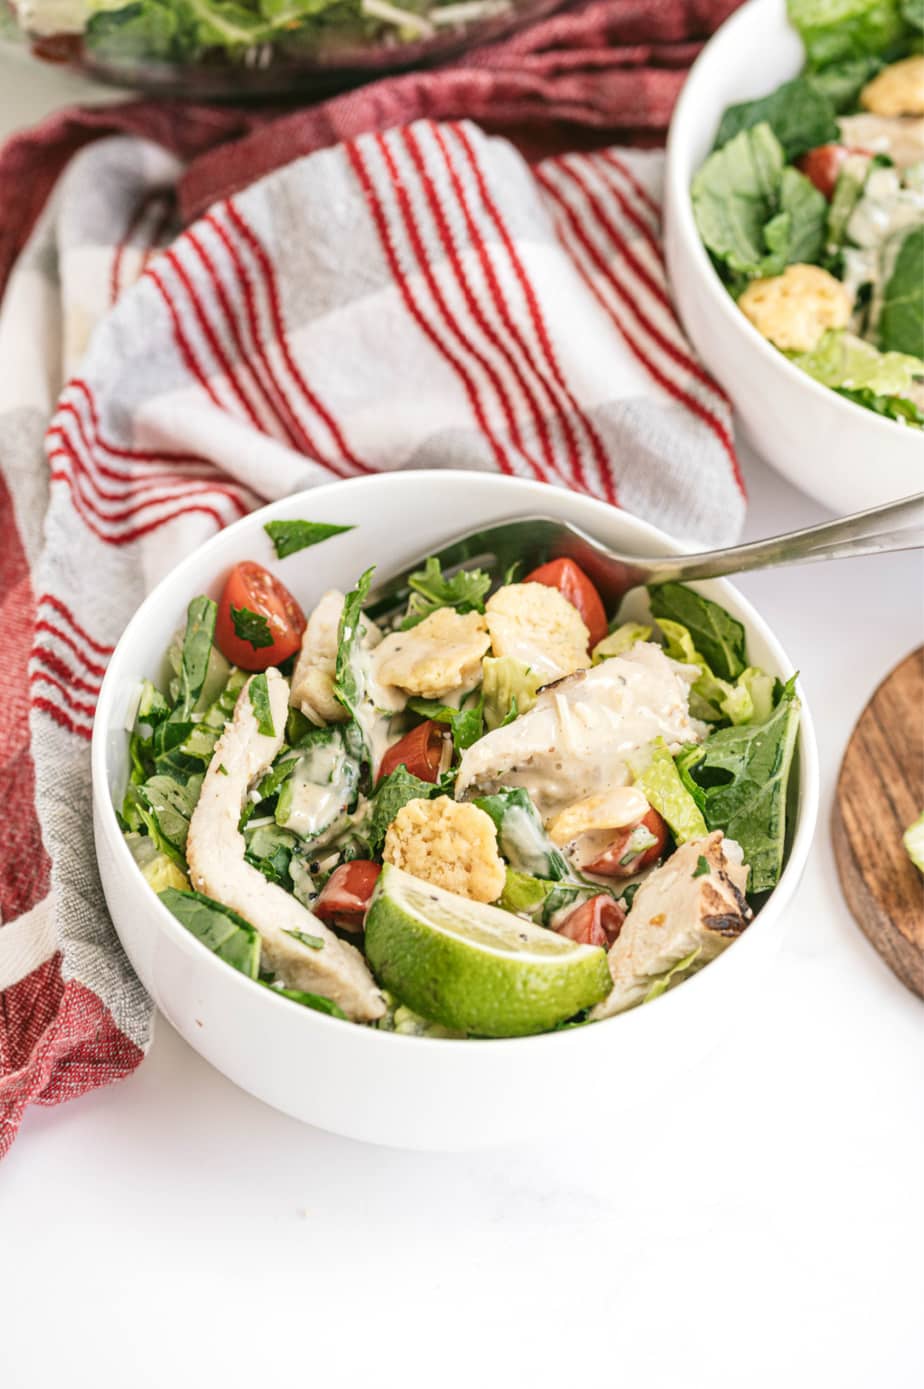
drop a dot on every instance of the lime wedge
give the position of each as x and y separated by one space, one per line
913 840
473 967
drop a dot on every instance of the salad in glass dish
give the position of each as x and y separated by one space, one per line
496 810
811 204
234 48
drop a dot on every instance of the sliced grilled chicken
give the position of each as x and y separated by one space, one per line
577 738
313 678
215 852
683 915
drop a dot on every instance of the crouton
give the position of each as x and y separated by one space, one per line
898 90
536 625
440 655
794 310
449 844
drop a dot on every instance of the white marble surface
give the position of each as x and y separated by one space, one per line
761 1226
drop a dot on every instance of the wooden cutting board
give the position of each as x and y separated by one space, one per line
880 791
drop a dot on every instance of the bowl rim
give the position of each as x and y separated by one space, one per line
806 808
678 176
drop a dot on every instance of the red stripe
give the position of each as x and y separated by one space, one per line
181 340
142 484
136 532
63 611
535 311
43 626
634 183
203 471
145 483
124 513
60 668
77 705
306 443
539 327
224 364
664 381
279 328
442 347
59 716
683 358
462 279
385 237
139 455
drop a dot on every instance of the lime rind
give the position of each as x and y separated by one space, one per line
473 967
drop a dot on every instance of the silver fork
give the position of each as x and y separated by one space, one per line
530 540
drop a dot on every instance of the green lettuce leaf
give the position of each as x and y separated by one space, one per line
465 725
893 407
521 836
837 30
659 780
289 537
735 194
901 322
195 655
523 893
349 679
739 777
799 115
719 636
842 82
260 703
620 640
430 589
317 1002
225 933
393 792
841 359
508 688
674 974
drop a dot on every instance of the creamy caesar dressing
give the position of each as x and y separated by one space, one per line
320 790
579 736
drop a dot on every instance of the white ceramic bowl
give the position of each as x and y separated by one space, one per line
407 1091
839 453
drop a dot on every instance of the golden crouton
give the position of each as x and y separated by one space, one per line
450 844
441 654
534 624
794 310
898 90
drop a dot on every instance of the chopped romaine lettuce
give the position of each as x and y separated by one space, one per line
620 640
913 840
523 893
225 933
521 837
901 320
739 778
659 780
509 688
799 115
834 31
676 972
719 636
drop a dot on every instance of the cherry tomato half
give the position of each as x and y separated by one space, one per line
614 863
344 898
597 921
252 587
421 751
823 164
573 584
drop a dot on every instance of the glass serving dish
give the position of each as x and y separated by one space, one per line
233 49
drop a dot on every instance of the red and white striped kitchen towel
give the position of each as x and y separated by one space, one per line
415 299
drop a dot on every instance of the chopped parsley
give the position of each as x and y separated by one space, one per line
260 702
251 627
702 867
290 536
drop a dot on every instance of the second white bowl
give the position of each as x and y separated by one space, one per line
837 452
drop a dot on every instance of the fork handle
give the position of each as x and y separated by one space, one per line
895 526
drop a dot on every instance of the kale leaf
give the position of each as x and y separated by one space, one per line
799 116
719 636
220 929
901 322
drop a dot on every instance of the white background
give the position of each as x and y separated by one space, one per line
761 1224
